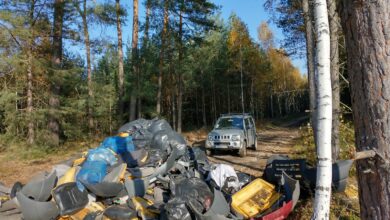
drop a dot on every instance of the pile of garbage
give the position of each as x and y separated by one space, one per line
147 171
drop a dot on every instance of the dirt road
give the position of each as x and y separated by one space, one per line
273 140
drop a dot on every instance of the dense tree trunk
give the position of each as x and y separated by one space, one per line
173 104
334 22
30 106
120 65
252 99
161 64
310 58
242 83
323 113
366 26
204 119
142 69
83 15
196 108
134 96
54 101
180 74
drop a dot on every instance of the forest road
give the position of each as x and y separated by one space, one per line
271 141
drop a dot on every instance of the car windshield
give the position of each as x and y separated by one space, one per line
226 123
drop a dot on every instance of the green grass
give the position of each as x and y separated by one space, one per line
19 150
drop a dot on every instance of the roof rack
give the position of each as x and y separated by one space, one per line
231 114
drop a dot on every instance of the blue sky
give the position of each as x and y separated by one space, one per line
250 11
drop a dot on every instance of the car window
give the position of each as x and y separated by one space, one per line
247 123
226 123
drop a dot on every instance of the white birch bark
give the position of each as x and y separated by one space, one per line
323 112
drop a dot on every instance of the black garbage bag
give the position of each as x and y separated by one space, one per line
156 157
159 125
195 161
243 179
135 125
142 138
166 140
176 209
160 140
196 192
135 158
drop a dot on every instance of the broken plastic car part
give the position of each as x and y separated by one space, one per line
36 210
136 187
119 212
69 198
219 209
39 188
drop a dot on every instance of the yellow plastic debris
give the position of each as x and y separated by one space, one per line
92 207
150 191
143 160
254 198
79 161
123 134
141 205
69 176
4 198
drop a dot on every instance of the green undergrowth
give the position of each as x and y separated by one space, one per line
20 150
341 206
305 146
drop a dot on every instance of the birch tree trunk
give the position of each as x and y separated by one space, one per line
366 26
161 64
30 106
120 65
134 53
323 113
334 22
310 58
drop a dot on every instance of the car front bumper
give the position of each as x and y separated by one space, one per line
223 144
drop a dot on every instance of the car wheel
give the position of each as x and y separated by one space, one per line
242 151
256 145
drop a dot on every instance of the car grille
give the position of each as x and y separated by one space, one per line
222 137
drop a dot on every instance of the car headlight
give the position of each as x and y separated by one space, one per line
210 138
235 137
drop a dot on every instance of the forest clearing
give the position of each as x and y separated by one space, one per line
194 109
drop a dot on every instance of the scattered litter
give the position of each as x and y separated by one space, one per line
147 171
298 169
254 198
70 198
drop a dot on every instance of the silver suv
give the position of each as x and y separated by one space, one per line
232 132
